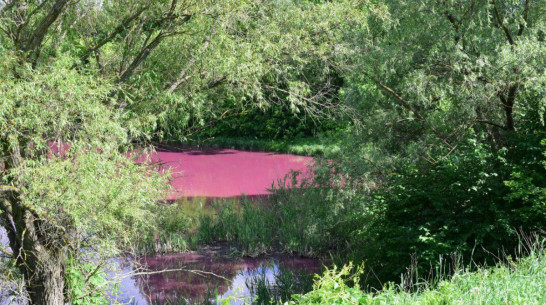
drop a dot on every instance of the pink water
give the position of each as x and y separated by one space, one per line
206 174
212 173
226 172
220 172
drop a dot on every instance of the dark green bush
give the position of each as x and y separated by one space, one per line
470 202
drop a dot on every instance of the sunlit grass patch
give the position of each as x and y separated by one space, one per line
519 281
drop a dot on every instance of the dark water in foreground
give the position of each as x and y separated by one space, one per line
231 280
216 278
212 273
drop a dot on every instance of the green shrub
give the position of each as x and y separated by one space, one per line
87 283
466 202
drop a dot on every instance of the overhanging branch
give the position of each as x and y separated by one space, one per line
409 107
123 25
501 23
8 189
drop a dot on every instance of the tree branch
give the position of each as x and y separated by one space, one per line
508 105
5 220
490 123
148 48
141 56
499 19
182 75
34 43
8 189
525 14
409 107
404 103
7 6
114 33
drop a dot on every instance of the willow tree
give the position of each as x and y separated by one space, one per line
232 56
452 97
440 69
66 184
69 194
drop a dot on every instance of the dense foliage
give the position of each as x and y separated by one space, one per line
453 124
85 83
274 123
448 155
78 191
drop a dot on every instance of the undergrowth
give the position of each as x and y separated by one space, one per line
519 280
172 232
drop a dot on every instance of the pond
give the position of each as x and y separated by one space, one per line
200 177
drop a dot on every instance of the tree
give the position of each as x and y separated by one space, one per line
68 191
253 54
67 185
452 66
452 97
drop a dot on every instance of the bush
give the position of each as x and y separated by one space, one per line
460 204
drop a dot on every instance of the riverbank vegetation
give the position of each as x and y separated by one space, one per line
515 281
323 145
430 117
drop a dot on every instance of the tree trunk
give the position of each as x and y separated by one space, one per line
46 284
509 107
39 253
39 247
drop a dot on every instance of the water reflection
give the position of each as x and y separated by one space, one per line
214 275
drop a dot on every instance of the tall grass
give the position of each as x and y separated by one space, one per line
512 281
249 226
285 283
172 233
298 220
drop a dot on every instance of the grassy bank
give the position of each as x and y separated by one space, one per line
316 146
520 281
306 222
512 281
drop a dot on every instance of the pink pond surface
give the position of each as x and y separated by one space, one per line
227 172
219 172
